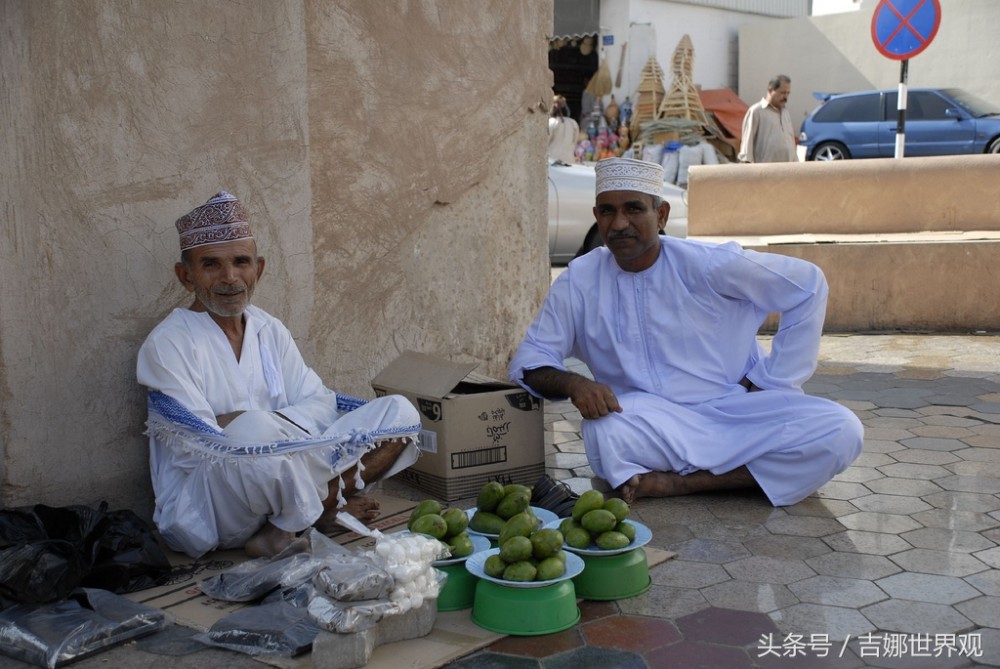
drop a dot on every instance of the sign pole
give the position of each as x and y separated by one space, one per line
901 108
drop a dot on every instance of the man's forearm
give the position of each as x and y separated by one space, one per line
551 383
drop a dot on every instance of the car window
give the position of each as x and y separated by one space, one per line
854 108
926 106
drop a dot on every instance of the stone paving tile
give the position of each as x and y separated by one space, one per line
634 633
725 626
665 602
764 569
938 562
964 501
870 543
854 565
837 622
901 486
982 610
787 546
919 456
745 596
900 615
709 550
973 521
891 523
927 588
691 654
687 574
986 582
959 541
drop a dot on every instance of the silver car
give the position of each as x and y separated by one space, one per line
572 229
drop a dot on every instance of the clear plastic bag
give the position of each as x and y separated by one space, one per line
277 628
353 579
90 620
252 580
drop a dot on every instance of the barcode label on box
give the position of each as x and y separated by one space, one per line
428 441
484 456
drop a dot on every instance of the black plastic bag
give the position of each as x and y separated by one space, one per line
47 552
90 620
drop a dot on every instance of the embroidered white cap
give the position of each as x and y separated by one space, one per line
222 219
629 174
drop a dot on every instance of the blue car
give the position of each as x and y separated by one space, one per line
939 122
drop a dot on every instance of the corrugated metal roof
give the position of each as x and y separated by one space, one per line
782 8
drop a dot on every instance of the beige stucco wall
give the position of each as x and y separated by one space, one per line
908 244
835 53
391 153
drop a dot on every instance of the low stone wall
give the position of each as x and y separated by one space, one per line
909 244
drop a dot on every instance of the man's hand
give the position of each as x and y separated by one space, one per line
749 385
593 399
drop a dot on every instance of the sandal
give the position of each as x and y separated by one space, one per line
554 496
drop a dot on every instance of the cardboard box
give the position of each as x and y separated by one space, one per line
475 429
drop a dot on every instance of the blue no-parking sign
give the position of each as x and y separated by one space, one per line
903 28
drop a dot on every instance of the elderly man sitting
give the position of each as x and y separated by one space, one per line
247 446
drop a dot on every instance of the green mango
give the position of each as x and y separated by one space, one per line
566 524
598 520
577 537
457 521
628 529
617 506
516 549
588 501
518 525
611 540
422 509
550 568
520 571
546 543
494 566
516 487
514 503
489 496
461 545
486 522
430 524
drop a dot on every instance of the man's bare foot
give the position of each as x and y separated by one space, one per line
651 484
670 484
268 542
365 509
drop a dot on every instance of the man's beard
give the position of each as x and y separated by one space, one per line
209 301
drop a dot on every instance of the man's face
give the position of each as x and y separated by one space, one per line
222 276
630 227
779 96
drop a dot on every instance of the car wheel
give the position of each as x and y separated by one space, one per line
994 146
592 241
831 151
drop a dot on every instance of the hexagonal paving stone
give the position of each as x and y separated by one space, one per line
786 546
938 562
970 484
957 541
986 582
985 455
990 556
933 444
964 501
687 574
919 456
837 622
764 569
804 526
882 445
886 434
907 487
663 602
725 626
853 565
710 550
837 591
870 543
927 588
872 459
744 596
942 431
901 615
842 490
879 522
891 504
973 469
972 521
821 508
909 470
859 474
887 421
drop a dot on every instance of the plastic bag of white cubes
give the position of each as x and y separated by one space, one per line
406 558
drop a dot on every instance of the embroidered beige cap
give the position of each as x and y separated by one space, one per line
222 219
629 174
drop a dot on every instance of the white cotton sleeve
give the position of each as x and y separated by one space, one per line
549 338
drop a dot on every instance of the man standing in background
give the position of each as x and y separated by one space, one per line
768 135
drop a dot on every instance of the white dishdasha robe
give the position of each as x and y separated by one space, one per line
216 488
673 343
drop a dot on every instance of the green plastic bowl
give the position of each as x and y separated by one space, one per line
525 611
459 590
614 576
